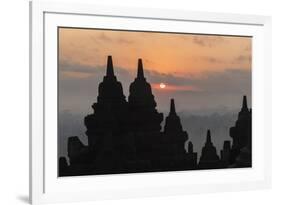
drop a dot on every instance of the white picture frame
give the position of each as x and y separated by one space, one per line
46 187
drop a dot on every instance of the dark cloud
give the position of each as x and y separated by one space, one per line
230 80
156 77
212 90
67 67
92 70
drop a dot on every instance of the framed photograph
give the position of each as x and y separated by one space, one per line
129 102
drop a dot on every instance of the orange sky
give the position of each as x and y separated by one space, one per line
199 71
176 54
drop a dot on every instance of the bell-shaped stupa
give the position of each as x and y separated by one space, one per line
143 114
209 158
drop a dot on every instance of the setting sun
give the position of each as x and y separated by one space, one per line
162 85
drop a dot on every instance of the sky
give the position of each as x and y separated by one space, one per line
199 71
205 74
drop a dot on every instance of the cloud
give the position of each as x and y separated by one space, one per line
210 90
243 59
104 37
227 81
175 88
207 41
71 70
210 59
124 41
119 40
156 77
78 84
76 74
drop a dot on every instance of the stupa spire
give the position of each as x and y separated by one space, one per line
140 74
172 107
209 157
244 105
142 104
109 69
173 127
208 141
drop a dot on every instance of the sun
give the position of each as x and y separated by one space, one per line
162 85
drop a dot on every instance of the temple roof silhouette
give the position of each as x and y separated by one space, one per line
242 128
111 109
172 108
244 105
143 113
140 74
109 69
209 157
126 136
173 125
241 134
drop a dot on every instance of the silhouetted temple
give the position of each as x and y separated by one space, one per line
240 153
145 120
209 158
126 137
143 114
241 133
